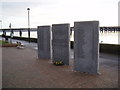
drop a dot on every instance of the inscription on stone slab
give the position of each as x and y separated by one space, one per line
61 42
86 47
44 42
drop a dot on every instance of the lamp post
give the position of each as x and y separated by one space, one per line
11 33
28 24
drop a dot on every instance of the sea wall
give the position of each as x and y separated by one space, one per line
24 38
104 48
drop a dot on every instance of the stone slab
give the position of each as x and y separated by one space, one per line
44 42
61 42
86 47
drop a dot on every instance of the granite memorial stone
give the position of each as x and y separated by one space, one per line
61 42
86 47
44 42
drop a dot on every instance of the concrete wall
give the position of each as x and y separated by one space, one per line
103 48
44 42
86 47
61 42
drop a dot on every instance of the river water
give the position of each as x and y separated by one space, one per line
104 37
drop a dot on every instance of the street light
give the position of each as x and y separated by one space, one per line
11 33
28 24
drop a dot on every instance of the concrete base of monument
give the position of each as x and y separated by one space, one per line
88 73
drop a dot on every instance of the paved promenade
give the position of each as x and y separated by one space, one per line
22 69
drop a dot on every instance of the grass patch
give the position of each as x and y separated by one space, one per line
3 42
7 44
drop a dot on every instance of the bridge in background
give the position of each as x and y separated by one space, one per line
112 28
101 29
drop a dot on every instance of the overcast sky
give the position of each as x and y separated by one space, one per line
48 12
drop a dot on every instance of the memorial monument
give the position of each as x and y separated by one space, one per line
61 43
86 47
44 42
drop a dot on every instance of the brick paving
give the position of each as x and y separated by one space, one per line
22 69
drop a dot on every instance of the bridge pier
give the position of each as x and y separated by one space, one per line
20 32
